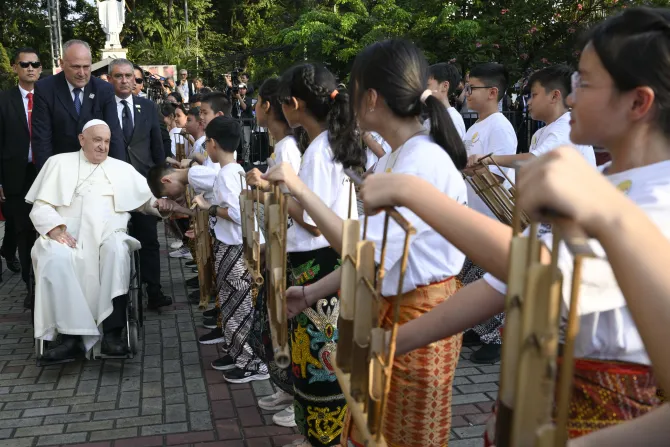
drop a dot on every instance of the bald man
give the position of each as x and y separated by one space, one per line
81 207
63 103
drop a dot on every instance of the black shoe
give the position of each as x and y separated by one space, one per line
194 297
154 302
238 375
113 343
470 338
193 282
488 353
214 337
213 312
210 323
69 348
13 263
29 300
190 264
225 363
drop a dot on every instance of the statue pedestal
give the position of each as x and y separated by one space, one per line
114 53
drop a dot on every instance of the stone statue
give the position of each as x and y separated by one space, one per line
112 16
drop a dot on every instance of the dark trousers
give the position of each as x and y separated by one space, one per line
117 319
145 229
19 230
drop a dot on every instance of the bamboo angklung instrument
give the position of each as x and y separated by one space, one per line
493 193
531 338
180 146
204 255
276 227
251 239
370 360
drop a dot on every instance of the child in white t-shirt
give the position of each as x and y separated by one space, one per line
376 148
550 88
240 364
443 80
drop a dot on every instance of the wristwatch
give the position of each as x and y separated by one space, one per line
213 210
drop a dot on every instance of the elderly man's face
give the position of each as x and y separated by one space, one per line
76 65
95 143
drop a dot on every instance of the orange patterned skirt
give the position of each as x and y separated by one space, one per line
419 402
605 393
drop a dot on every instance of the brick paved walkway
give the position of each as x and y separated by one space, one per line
168 394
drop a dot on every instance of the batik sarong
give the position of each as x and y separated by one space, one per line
419 402
605 393
233 285
319 404
488 331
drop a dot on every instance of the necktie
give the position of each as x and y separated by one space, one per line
30 118
77 101
126 122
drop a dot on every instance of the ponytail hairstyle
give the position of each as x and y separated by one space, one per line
317 87
634 48
269 91
301 138
398 71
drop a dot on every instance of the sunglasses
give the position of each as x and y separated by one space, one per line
139 80
36 64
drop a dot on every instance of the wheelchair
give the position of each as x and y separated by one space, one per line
134 320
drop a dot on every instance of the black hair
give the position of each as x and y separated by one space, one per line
398 71
194 111
226 131
154 177
23 50
269 92
176 95
634 48
205 90
446 72
197 97
218 102
168 109
556 77
493 74
137 67
315 85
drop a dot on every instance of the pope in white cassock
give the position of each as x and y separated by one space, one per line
81 203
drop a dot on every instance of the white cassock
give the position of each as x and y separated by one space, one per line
74 287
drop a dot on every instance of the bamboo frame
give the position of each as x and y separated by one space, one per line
276 227
531 338
204 254
497 198
251 239
366 386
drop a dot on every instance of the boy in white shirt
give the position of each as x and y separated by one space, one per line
443 80
492 133
549 89
240 364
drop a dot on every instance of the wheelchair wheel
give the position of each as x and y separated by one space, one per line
133 336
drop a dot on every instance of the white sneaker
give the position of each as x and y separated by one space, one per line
176 245
278 401
183 253
285 418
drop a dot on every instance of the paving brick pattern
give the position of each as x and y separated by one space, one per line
168 395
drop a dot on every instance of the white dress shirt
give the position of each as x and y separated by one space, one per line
24 95
119 109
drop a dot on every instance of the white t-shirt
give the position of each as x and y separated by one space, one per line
202 179
326 178
557 134
456 118
494 134
371 157
199 146
286 151
606 328
431 257
227 189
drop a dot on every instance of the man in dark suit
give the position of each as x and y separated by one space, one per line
143 147
17 168
67 101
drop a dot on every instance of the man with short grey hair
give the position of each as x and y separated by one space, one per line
187 89
63 103
143 147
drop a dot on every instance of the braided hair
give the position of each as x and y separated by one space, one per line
316 86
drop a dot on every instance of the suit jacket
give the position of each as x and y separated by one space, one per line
14 142
56 126
145 148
